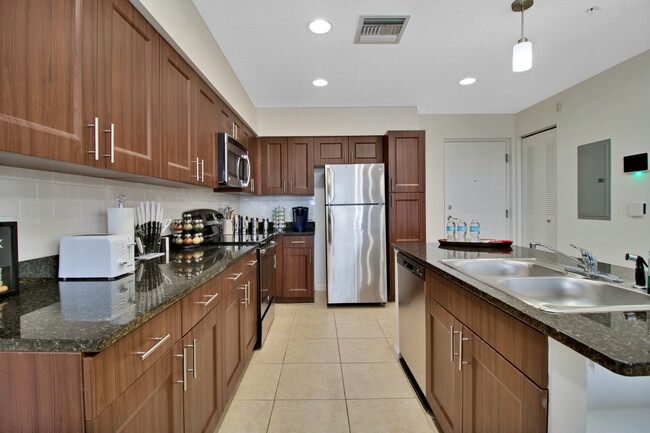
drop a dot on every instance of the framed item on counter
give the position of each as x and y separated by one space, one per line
8 258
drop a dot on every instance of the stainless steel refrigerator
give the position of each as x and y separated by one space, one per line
355 231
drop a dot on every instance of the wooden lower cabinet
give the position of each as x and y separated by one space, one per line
471 387
297 269
250 316
234 358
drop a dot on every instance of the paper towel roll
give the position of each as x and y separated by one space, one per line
121 222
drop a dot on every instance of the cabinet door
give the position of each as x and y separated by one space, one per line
203 400
48 76
224 118
250 314
154 403
300 166
406 223
277 262
298 272
176 121
365 150
330 150
205 130
496 396
255 185
129 89
274 168
405 158
233 331
444 380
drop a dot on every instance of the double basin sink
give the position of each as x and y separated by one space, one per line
549 288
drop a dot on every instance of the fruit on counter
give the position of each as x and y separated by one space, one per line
3 289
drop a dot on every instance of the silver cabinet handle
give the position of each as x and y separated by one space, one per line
245 289
248 164
345 157
202 171
96 126
297 242
252 263
112 132
248 292
291 187
236 276
193 347
161 341
275 263
197 177
392 184
212 298
460 351
284 186
252 185
451 343
184 381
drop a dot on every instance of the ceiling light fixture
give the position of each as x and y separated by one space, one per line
467 81
522 52
319 82
320 26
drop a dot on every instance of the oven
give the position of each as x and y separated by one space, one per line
266 284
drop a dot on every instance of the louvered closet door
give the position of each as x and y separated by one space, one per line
539 189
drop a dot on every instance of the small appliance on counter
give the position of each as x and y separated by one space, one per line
205 222
300 214
100 256
8 257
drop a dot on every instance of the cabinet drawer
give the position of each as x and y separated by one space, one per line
521 345
297 241
198 303
111 372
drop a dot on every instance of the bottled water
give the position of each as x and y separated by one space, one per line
451 228
474 231
461 231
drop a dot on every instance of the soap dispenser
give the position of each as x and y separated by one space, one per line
639 271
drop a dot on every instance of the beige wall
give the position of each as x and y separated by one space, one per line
614 104
183 27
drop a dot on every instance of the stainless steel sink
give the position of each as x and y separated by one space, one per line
574 295
503 268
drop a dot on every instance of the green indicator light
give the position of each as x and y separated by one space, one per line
638 174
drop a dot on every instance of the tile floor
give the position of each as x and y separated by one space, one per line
327 370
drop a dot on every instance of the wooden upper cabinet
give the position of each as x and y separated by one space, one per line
224 118
274 163
365 150
330 150
48 76
300 165
205 131
129 89
176 121
404 153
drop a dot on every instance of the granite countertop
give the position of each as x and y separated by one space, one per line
48 315
618 341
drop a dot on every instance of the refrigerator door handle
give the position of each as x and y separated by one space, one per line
329 184
329 226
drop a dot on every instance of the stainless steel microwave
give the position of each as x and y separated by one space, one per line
234 167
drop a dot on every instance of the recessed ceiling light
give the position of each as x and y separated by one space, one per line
467 81
320 26
319 82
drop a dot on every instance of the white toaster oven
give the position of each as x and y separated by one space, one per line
96 256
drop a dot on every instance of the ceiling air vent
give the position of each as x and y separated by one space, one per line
381 29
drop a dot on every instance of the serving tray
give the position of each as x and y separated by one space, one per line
483 243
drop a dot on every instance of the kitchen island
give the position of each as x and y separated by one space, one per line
581 395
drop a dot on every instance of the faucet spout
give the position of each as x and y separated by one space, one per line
588 267
534 245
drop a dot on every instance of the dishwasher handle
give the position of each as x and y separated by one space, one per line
410 265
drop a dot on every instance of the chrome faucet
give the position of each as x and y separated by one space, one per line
588 267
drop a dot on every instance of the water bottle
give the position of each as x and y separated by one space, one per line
474 231
461 231
451 228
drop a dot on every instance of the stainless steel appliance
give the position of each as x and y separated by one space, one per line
411 317
355 233
234 167
212 228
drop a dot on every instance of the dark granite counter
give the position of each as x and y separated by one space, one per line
618 341
88 316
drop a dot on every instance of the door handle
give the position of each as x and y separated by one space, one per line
212 298
197 177
284 186
345 157
460 351
96 126
248 163
161 341
193 347
329 227
112 132
202 170
291 187
184 381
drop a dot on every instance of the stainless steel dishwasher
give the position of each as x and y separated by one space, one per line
411 298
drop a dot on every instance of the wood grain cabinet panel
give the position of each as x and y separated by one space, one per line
300 166
330 150
405 157
129 89
274 165
297 269
234 361
205 131
48 76
365 150
250 315
202 300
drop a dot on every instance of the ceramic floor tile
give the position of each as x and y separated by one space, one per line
259 383
386 312
308 315
284 315
309 416
320 329
312 351
310 382
375 380
388 326
247 416
365 350
353 314
320 297
387 416
272 352
358 329
279 330
392 342
285 307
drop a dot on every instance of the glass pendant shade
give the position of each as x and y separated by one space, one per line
522 56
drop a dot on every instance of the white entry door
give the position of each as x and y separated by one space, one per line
476 185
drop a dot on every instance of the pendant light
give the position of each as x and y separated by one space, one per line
522 52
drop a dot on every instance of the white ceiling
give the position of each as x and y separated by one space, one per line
271 50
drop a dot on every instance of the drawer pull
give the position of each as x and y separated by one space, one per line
460 351
184 381
237 276
193 347
161 341
297 242
252 263
212 298
451 343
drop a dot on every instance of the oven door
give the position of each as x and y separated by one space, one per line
267 276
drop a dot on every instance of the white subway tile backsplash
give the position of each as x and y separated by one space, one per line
53 191
80 192
31 208
9 207
17 188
